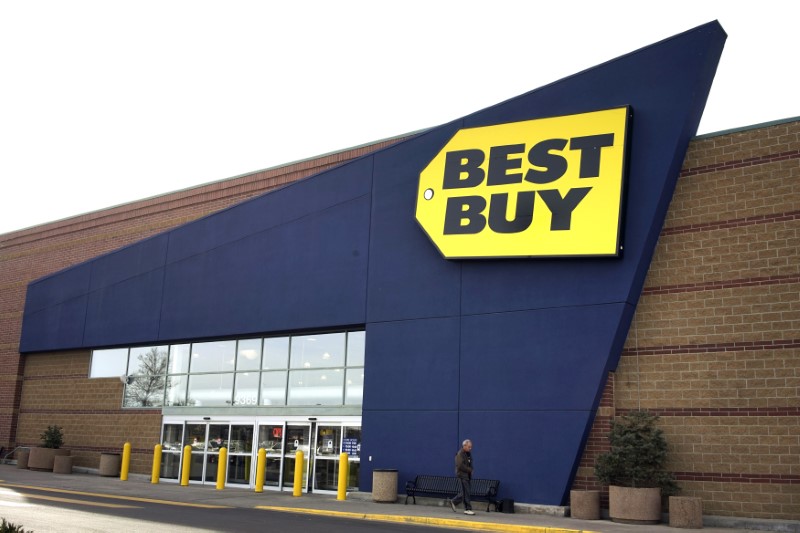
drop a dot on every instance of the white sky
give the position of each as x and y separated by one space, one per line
106 102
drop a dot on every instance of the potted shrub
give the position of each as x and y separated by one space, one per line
43 457
635 469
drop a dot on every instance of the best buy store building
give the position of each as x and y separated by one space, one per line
477 280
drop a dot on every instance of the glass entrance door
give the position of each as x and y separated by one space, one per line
205 439
298 437
270 437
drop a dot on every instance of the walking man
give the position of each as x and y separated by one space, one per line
464 474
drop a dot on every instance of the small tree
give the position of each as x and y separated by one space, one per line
638 454
53 437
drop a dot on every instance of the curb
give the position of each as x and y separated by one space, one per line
427 521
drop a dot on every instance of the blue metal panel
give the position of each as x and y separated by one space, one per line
129 262
532 358
422 352
413 442
125 312
310 273
407 276
54 327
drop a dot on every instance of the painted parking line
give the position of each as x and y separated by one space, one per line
428 521
114 497
27 496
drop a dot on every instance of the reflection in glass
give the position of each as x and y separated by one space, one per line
273 388
270 437
316 387
172 438
148 361
354 386
176 391
318 351
246 392
248 354
144 391
241 440
210 390
217 356
179 359
109 363
276 353
355 348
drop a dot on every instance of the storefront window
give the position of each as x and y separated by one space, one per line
218 356
176 390
109 363
273 388
316 387
246 392
318 351
276 353
248 354
354 388
211 390
179 359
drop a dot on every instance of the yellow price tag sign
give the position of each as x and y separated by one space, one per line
548 187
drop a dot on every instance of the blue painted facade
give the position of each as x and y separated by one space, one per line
513 354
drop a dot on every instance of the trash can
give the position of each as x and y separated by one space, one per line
22 457
384 485
110 464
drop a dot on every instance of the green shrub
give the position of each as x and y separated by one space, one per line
638 454
53 437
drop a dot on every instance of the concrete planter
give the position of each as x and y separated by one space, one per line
44 458
584 504
634 505
62 464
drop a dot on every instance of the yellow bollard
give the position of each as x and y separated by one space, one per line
261 469
186 467
298 474
156 464
126 462
344 466
223 463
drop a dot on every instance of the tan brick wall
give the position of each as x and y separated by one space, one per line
57 391
714 348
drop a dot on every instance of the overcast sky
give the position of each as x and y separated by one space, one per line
106 102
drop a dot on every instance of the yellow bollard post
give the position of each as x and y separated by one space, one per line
156 464
221 467
344 466
126 462
261 469
298 474
186 466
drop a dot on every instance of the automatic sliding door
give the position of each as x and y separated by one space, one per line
298 437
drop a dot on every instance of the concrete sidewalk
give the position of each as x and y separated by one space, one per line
359 506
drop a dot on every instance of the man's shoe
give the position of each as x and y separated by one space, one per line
469 512
452 505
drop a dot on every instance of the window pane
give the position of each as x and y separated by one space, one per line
318 351
355 348
276 353
248 356
246 392
109 363
179 359
148 360
176 390
316 387
354 391
144 391
273 388
213 356
210 390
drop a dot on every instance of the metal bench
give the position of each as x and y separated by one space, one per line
448 486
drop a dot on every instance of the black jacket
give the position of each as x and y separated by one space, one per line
464 464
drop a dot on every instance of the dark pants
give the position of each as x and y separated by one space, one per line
463 494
